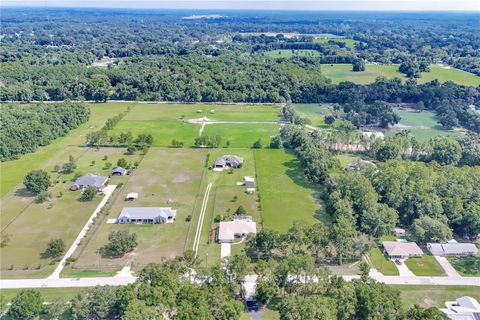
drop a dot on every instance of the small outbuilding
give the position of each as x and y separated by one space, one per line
249 181
453 249
401 249
228 161
119 171
89 180
141 215
400 233
250 190
131 196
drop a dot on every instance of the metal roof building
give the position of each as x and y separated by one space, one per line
452 249
147 215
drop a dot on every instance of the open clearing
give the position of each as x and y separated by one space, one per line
242 135
348 42
166 177
286 196
426 265
315 112
434 296
343 72
31 226
288 53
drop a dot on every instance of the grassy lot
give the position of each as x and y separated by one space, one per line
265 314
347 158
422 125
286 196
343 72
426 265
221 201
165 178
69 272
434 296
242 135
48 294
288 53
169 121
348 42
14 171
381 263
31 226
315 112
466 266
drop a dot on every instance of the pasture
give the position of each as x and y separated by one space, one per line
166 177
31 225
242 135
285 195
343 72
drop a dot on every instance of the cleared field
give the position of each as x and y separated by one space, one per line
343 72
315 112
225 197
347 158
288 53
422 125
381 263
14 171
426 265
348 42
285 195
31 225
242 135
165 178
169 121
434 296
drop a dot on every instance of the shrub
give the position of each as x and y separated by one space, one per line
55 248
88 194
120 242
37 181
217 218
188 218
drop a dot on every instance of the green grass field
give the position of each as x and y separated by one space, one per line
466 266
242 135
48 294
288 53
165 178
381 263
343 72
315 112
434 296
285 195
426 265
348 42
422 125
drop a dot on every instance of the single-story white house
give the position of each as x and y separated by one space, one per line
147 215
464 308
401 249
452 249
131 196
249 181
89 180
229 230
119 171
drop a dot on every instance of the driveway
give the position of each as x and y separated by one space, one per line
449 269
403 269
225 250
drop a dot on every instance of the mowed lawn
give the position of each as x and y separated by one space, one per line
165 178
242 135
31 226
422 125
285 195
343 72
434 296
170 121
426 265
381 263
13 171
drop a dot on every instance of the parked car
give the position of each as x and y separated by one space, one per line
398 262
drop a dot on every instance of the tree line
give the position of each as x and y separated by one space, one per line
26 127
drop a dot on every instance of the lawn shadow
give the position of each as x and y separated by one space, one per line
24 192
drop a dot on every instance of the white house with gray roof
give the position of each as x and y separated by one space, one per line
228 161
147 215
89 180
452 249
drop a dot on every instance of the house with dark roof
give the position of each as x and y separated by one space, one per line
228 161
119 171
453 249
89 180
147 215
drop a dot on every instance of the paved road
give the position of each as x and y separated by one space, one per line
446 281
66 282
108 190
449 269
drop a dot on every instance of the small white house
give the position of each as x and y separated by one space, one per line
229 230
131 196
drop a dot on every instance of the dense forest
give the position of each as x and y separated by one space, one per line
23 128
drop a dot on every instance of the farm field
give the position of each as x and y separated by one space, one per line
13 171
343 72
288 53
170 121
422 125
285 195
225 197
30 226
426 265
165 178
242 135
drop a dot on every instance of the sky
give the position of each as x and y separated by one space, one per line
308 5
